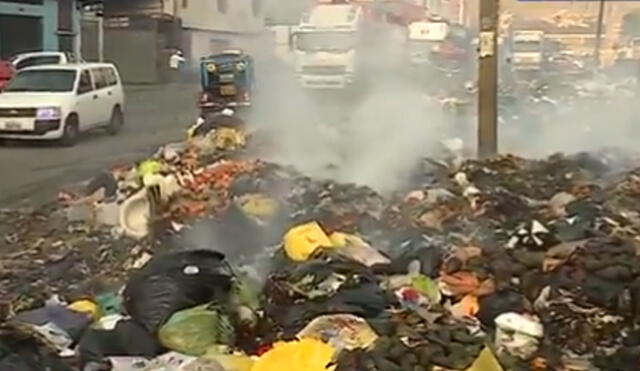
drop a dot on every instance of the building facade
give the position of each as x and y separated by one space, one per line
140 35
36 25
210 26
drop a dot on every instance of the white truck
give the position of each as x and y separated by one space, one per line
426 37
527 50
326 46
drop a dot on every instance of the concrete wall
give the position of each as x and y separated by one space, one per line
48 11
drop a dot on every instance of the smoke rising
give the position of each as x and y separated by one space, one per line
376 135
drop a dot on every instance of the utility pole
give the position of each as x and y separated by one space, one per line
596 53
488 79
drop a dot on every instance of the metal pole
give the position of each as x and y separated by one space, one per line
596 52
77 25
101 38
488 79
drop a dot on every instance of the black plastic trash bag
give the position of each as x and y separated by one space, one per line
429 256
128 338
21 350
71 322
491 306
175 281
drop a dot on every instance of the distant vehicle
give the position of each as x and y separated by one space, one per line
338 43
33 59
21 61
58 102
426 37
227 80
326 44
527 50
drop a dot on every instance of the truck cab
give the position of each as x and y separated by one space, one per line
326 44
527 50
425 38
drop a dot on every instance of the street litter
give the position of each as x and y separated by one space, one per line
220 262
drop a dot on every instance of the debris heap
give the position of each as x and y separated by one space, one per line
206 259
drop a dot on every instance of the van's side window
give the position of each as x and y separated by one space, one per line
110 73
100 78
85 84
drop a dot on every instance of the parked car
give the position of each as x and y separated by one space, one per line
21 61
33 59
6 71
60 101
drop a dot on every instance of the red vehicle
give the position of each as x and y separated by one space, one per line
6 72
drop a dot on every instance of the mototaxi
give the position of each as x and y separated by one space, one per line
227 80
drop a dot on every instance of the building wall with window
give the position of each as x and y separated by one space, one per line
236 16
34 25
210 26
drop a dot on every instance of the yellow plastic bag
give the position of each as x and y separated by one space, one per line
303 240
86 306
232 362
149 167
303 355
486 361
258 205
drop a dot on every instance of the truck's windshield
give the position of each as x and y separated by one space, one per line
43 81
328 41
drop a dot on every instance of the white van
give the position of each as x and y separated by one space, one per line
60 101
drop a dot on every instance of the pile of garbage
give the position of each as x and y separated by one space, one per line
500 264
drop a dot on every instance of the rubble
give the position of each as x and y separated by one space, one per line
534 263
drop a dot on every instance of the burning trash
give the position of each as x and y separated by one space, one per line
499 264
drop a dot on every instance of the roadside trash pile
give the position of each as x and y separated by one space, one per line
201 258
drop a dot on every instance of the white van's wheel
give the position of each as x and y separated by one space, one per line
71 131
116 122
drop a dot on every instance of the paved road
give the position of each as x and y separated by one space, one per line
36 171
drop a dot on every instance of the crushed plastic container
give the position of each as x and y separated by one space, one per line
341 330
517 334
357 249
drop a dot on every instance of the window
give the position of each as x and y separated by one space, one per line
256 7
100 78
85 84
31 2
112 78
65 15
43 81
223 6
38 61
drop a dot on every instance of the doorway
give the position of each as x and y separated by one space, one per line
29 29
